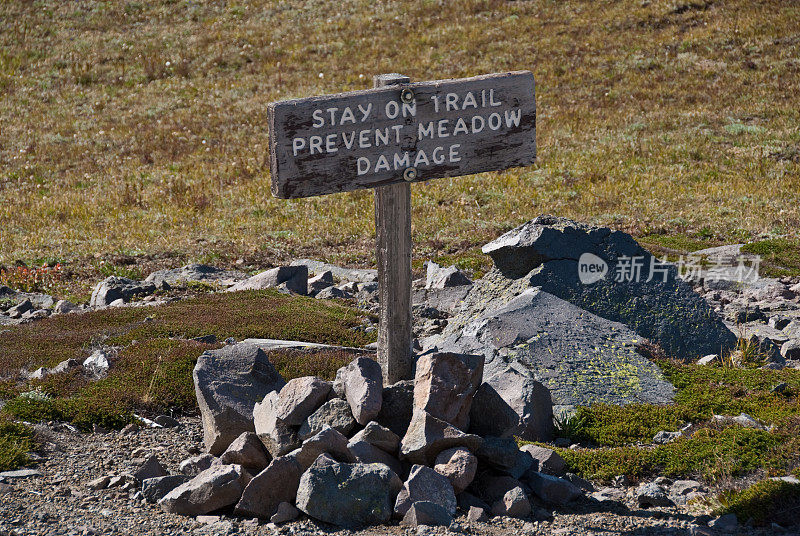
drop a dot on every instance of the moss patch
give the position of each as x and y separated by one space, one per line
16 441
766 502
780 256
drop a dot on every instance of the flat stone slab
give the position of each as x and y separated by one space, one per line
277 344
20 473
581 357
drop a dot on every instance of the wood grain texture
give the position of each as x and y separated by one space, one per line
298 173
393 253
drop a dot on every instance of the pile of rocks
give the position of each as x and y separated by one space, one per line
354 452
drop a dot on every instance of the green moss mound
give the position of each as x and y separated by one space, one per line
16 441
768 501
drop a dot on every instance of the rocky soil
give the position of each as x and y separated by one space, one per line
58 502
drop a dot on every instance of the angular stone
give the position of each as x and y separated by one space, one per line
163 279
550 462
685 487
116 288
154 489
458 465
725 523
476 515
651 494
609 494
97 363
166 421
425 484
344 274
552 489
66 366
348 495
228 383
269 488
99 483
381 437
491 487
294 277
426 513
276 435
214 488
397 407
367 453
196 464
151 468
286 512
545 253
502 454
513 504
334 413
20 309
439 277
63 307
331 293
511 403
362 383
248 451
445 383
327 441
427 436
663 437
791 349
320 282
299 398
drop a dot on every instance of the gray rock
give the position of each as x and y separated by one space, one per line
476 514
513 504
97 364
39 374
502 454
397 407
428 436
549 461
663 437
196 464
193 272
348 495
327 441
425 484
335 413
228 383
778 322
491 487
214 488
344 274
286 512
166 421
63 307
276 435
20 473
154 489
299 398
426 513
98 483
685 487
791 349
116 288
552 489
725 523
743 419
247 451
368 453
458 465
294 277
268 489
439 277
445 300
380 437
445 384
20 309
331 293
609 495
580 482
151 468
511 403
651 494
320 282
708 360
535 331
545 253
362 383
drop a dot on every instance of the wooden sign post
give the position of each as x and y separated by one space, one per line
387 137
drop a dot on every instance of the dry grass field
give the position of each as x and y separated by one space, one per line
133 134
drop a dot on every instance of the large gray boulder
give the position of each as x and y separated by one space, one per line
214 488
334 413
552 489
445 383
348 495
458 465
365 452
512 403
115 288
327 441
154 489
580 357
279 437
378 436
268 489
228 383
248 451
428 436
295 278
299 398
425 484
361 381
545 253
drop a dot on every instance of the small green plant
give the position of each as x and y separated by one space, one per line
570 425
768 501
16 441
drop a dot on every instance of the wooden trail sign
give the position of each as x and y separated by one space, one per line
387 137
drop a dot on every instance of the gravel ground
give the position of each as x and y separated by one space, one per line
58 502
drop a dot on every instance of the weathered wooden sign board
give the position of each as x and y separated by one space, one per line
387 137
412 132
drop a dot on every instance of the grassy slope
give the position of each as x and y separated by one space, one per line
653 117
